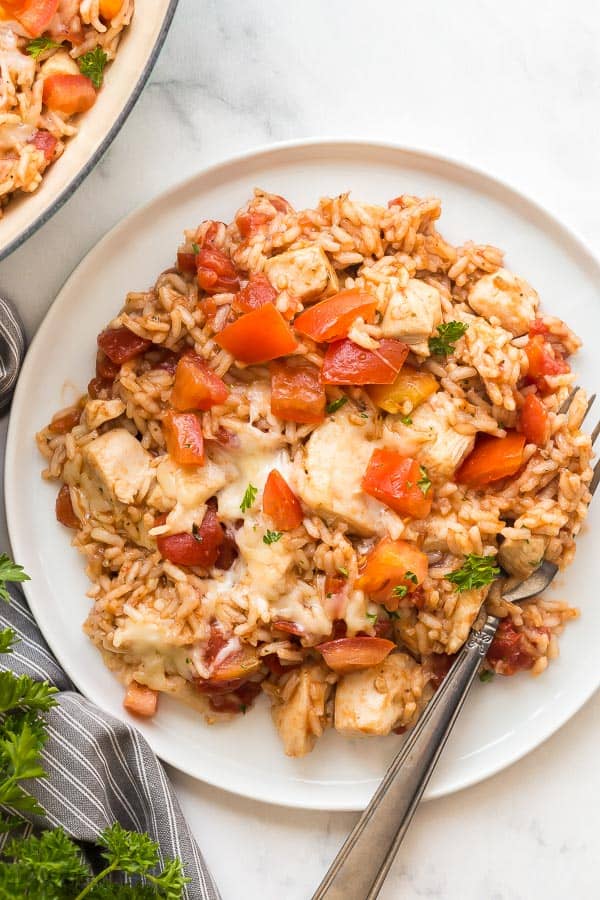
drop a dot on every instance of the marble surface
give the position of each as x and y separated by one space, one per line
511 87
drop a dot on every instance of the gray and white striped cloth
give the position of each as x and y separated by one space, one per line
100 770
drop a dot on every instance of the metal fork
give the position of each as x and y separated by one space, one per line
361 866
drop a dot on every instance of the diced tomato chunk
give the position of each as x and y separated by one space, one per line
347 363
105 367
297 394
186 262
140 700
109 8
34 15
353 654
121 344
538 326
65 422
183 434
228 551
437 666
508 652
100 388
196 386
250 222
258 336
544 360
399 482
46 142
68 94
280 503
200 548
216 272
257 292
534 420
65 513
330 319
392 565
492 458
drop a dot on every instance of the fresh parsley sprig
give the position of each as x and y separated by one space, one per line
91 64
335 405
475 572
271 537
424 482
248 498
9 571
442 344
40 45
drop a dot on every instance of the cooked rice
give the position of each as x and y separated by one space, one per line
156 622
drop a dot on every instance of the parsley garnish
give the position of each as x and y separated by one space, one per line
39 45
406 420
195 248
475 572
336 404
486 676
424 481
372 617
443 343
343 571
410 576
271 537
196 533
9 571
243 709
248 498
393 614
92 65
400 591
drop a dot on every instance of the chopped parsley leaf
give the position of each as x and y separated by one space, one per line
343 571
248 498
475 572
336 404
364 415
410 576
196 533
406 420
195 248
424 481
486 675
400 591
243 709
9 571
442 344
39 45
271 537
372 617
92 64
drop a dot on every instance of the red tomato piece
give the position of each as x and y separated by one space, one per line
544 359
280 203
257 292
198 549
100 388
492 458
297 394
534 421
280 503
394 480
216 272
64 423
186 261
347 363
258 336
389 565
353 654
538 326
34 15
249 223
508 652
68 94
121 344
183 434
105 367
330 319
228 551
140 699
45 142
65 513
196 386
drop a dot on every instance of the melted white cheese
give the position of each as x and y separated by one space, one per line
150 642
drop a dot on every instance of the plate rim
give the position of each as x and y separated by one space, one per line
80 176
214 168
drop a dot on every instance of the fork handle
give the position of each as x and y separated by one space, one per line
361 866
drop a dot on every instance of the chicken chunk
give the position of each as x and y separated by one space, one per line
97 412
521 558
120 465
184 490
381 698
506 297
300 720
306 273
329 481
443 453
412 315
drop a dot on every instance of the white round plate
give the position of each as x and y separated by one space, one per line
502 720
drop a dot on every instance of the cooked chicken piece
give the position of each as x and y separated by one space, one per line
380 698
120 465
506 297
468 604
521 558
329 482
443 453
184 490
412 315
60 63
300 720
305 273
97 412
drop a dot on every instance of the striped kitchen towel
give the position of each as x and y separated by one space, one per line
100 769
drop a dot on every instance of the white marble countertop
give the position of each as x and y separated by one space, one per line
512 87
